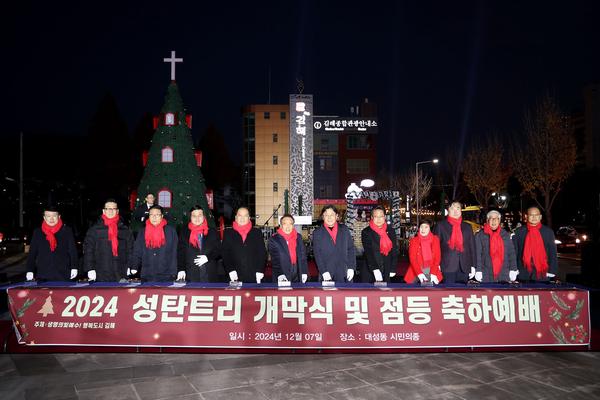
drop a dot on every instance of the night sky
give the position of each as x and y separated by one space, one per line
437 70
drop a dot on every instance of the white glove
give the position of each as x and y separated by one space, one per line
131 271
378 276
549 275
479 276
304 278
392 274
326 276
349 275
259 277
181 276
74 273
472 273
200 260
281 278
422 278
29 276
434 279
512 275
233 277
92 275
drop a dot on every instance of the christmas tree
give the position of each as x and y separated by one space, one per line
172 172
47 308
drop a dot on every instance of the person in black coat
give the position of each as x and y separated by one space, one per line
381 248
288 253
536 249
199 248
243 250
52 254
108 247
140 213
333 248
494 252
457 245
155 249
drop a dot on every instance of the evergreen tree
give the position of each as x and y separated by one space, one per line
172 173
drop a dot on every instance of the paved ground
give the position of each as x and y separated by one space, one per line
320 376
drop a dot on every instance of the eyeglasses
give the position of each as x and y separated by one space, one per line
155 215
111 209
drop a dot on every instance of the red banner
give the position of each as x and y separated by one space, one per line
300 318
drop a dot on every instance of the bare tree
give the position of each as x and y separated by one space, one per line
548 156
484 171
405 183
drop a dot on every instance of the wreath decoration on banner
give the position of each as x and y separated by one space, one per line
565 315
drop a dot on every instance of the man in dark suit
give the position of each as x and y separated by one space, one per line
155 249
288 254
108 247
457 244
536 249
243 250
333 247
381 248
141 212
52 254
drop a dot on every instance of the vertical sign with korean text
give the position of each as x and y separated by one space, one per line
301 154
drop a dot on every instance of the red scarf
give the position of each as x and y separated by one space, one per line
112 223
385 244
291 243
456 239
425 243
333 231
496 248
196 230
243 230
49 231
155 235
535 251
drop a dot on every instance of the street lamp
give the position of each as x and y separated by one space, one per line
434 161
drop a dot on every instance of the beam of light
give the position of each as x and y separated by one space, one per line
470 92
300 35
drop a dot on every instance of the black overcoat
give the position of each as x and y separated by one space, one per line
52 265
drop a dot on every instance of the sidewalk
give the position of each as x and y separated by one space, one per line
13 266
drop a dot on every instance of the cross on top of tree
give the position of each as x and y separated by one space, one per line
173 61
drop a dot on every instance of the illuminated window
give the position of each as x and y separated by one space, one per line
169 119
167 155
275 138
275 160
275 187
164 198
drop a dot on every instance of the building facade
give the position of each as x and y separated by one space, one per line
345 150
266 162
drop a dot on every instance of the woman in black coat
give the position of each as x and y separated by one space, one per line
288 254
199 248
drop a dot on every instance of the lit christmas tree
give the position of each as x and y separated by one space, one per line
172 171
